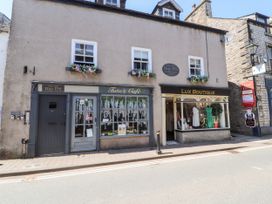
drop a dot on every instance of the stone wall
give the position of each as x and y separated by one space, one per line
238 60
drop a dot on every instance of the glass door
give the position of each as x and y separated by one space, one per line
84 124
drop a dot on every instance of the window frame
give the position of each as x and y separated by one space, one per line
149 51
109 4
85 42
126 109
168 10
202 67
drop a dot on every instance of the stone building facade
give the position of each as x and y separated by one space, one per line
243 32
102 77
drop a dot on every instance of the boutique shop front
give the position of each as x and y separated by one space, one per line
195 114
71 117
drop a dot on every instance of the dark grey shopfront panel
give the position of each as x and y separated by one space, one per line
51 125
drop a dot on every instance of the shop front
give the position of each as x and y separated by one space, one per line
68 118
195 114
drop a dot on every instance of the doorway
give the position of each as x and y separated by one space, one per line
51 125
170 131
84 124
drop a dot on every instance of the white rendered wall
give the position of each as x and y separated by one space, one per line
3 56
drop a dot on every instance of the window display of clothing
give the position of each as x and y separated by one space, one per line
210 122
196 120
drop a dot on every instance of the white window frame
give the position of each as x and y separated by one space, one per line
118 3
201 64
133 49
73 48
168 10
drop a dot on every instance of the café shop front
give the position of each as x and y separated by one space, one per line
68 118
194 114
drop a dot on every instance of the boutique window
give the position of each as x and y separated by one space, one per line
84 52
196 66
202 113
124 115
141 59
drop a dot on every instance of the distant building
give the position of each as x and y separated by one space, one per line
168 8
4 37
248 53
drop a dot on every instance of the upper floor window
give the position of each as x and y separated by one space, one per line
168 13
84 52
112 2
141 59
196 66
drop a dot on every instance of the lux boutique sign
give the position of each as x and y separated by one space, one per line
120 90
197 92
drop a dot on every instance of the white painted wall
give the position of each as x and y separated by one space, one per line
3 56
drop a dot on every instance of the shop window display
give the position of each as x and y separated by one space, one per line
195 114
124 115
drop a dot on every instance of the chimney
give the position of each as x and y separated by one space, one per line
208 7
194 6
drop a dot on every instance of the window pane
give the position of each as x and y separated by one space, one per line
88 59
142 103
132 128
137 54
192 71
89 47
132 102
79 51
145 55
142 115
79 58
79 118
198 72
143 128
79 46
89 53
79 130
137 65
145 66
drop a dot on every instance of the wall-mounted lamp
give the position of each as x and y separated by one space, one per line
252 49
26 70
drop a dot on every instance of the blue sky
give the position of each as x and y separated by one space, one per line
221 8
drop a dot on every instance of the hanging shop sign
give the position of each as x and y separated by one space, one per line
170 70
248 94
258 69
250 120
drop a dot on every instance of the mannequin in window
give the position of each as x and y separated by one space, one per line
196 120
210 122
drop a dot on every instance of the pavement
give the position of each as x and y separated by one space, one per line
20 167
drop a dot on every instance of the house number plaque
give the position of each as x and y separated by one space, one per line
170 69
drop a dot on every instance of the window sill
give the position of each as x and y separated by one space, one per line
84 69
203 130
142 74
123 136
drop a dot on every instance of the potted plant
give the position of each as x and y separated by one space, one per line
216 111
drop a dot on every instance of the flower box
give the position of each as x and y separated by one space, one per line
84 69
142 74
198 79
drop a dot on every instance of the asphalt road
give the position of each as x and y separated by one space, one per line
219 178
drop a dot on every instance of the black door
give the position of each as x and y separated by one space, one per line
52 122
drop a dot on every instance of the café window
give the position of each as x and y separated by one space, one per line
196 66
141 59
84 52
195 113
124 115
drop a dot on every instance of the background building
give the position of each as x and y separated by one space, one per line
4 37
248 45
91 76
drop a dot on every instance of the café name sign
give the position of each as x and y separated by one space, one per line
129 91
54 88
